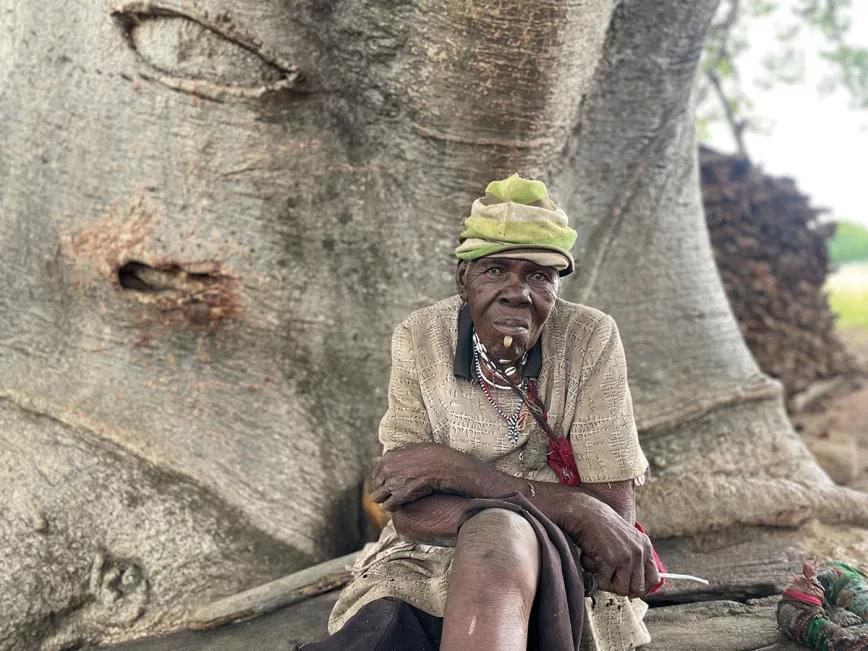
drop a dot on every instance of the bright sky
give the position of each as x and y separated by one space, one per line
819 140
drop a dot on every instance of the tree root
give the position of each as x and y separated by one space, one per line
681 506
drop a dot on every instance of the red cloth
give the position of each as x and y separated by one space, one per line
657 562
562 461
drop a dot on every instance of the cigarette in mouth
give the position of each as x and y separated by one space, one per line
507 341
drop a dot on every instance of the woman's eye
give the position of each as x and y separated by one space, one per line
540 277
493 271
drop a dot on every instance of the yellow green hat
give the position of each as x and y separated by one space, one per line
517 219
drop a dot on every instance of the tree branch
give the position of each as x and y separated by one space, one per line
736 126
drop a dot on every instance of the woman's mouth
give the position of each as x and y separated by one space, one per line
511 328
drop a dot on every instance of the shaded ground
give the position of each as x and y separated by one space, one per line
836 428
281 630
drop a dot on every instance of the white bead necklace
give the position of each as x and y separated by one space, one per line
512 421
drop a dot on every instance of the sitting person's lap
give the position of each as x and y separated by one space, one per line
385 625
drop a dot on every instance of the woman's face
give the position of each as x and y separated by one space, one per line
508 297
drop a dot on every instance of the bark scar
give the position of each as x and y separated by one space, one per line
131 13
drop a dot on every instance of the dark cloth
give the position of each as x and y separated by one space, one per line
384 625
559 605
556 618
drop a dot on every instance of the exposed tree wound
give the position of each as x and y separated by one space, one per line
119 250
199 291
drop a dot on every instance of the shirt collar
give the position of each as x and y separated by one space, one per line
463 364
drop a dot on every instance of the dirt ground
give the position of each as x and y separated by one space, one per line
835 428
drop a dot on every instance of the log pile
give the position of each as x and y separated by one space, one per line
770 249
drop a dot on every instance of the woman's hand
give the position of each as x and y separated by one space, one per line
419 469
612 548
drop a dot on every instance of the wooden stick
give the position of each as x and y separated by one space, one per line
281 592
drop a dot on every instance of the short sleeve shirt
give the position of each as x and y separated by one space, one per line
582 378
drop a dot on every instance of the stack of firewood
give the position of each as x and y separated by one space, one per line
770 249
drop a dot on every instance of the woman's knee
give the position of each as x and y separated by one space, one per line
504 543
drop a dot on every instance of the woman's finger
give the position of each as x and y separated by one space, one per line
392 503
652 575
401 497
589 564
620 581
605 576
383 465
637 581
380 494
385 468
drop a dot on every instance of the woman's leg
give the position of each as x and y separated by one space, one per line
492 583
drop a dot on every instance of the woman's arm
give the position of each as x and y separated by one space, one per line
432 520
618 495
417 470
612 548
429 485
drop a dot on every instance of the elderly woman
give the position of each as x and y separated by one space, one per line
480 384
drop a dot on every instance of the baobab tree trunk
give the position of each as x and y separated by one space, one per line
212 215
714 427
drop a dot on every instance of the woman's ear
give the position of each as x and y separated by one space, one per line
461 278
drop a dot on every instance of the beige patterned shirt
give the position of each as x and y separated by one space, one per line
583 381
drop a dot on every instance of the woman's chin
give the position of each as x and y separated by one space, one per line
508 355
506 345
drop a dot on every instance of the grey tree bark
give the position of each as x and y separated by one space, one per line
213 213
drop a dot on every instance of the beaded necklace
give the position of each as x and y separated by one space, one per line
480 356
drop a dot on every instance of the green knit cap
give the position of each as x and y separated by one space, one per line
517 218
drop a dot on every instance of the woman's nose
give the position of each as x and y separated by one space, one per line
515 292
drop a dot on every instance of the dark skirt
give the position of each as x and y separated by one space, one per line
384 625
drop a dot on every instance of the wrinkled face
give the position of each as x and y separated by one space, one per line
507 297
